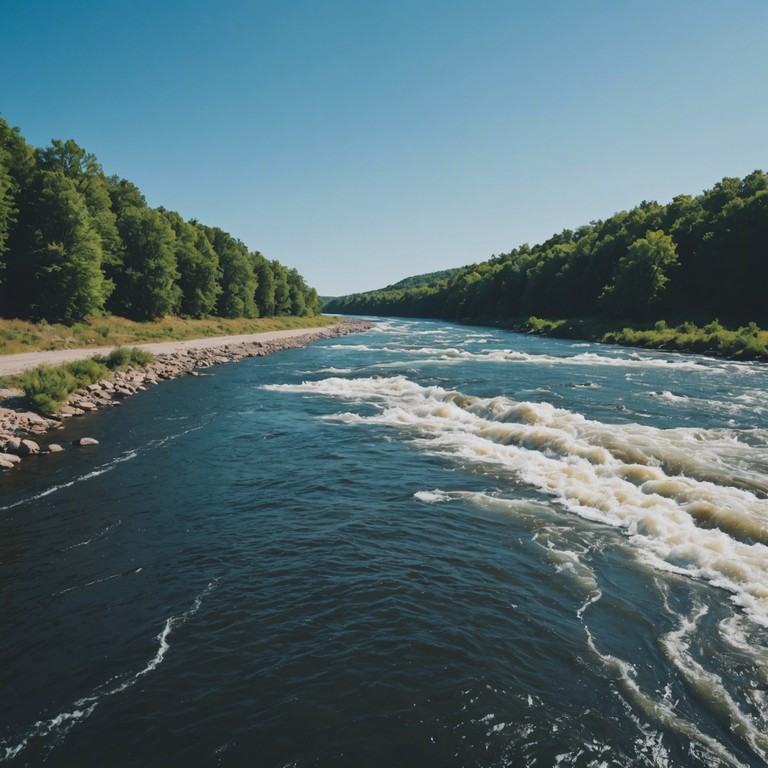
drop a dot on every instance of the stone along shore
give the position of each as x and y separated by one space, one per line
22 432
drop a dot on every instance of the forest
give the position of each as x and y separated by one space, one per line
697 258
75 243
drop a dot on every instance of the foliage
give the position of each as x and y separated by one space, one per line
47 387
121 358
701 255
87 371
75 243
145 280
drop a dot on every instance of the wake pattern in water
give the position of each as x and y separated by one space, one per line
691 501
50 732
568 553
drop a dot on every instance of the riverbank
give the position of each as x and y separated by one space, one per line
748 342
25 433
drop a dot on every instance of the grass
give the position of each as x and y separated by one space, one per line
47 387
21 336
747 342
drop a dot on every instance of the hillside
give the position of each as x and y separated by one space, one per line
700 257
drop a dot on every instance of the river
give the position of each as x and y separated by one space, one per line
424 545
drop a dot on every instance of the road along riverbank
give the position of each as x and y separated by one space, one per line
25 433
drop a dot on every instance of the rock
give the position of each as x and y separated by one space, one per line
85 441
9 458
55 448
12 445
6 464
28 447
67 411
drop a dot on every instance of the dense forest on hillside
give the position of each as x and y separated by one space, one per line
703 256
76 243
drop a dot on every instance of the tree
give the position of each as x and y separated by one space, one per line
197 264
145 279
641 275
73 162
65 281
7 209
265 286
236 277
282 291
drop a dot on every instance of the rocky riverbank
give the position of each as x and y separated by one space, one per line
25 433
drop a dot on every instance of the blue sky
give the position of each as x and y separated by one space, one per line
364 142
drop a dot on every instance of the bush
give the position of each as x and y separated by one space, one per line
713 327
124 357
87 371
47 387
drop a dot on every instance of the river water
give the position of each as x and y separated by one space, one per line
425 545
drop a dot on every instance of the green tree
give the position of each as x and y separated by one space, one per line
72 161
7 209
145 279
236 277
17 168
197 264
265 286
65 281
282 291
641 275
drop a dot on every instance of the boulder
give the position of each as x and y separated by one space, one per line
85 441
67 411
6 464
12 445
55 448
9 458
28 447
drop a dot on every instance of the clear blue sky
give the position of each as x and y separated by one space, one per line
363 142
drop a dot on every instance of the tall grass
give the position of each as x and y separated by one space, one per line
22 336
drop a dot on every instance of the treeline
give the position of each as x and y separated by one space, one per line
703 256
75 243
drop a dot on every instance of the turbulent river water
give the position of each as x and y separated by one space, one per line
425 545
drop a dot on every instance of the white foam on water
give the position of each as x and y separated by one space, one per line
634 360
661 711
709 686
98 581
591 359
100 535
745 403
88 476
56 728
689 500
432 497
333 370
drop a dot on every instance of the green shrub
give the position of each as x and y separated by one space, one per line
124 357
87 371
713 327
751 329
46 387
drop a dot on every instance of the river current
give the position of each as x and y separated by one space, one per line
424 545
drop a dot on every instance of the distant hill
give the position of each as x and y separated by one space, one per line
427 280
430 278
